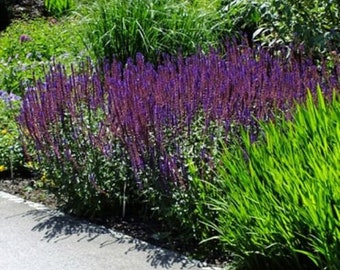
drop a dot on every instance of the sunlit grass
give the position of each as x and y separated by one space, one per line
278 202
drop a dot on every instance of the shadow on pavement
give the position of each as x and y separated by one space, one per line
157 257
57 226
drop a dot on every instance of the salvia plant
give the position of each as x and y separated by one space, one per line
122 137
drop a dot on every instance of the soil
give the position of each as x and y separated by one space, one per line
26 189
11 10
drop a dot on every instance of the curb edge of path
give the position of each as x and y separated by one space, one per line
42 207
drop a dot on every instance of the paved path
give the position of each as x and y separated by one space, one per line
32 237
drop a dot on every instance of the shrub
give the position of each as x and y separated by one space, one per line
277 199
312 24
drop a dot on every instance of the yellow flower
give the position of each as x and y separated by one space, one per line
43 177
47 182
4 132
2 168
29 164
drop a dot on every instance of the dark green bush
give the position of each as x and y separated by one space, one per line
314 24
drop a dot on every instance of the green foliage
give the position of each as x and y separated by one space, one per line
27 47
206 4
123 28
86 181
11 151
278 198
313 24
240 17
59 7
276 207
182 207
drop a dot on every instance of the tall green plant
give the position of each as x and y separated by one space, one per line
58 7
278 199
124 28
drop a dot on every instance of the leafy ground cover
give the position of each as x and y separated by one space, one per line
150 136
29 47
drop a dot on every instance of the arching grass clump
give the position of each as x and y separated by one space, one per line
278 199
121 29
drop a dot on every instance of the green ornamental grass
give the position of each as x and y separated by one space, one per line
278 199
59 7
122 29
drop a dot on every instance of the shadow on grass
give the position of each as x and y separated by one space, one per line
57 226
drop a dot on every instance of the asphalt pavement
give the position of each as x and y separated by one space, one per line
33 237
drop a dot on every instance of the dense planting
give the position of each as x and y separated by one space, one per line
196 141
121 140
151 27
311 23
278 199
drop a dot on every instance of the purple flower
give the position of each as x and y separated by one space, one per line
152 111
24 38
8 97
